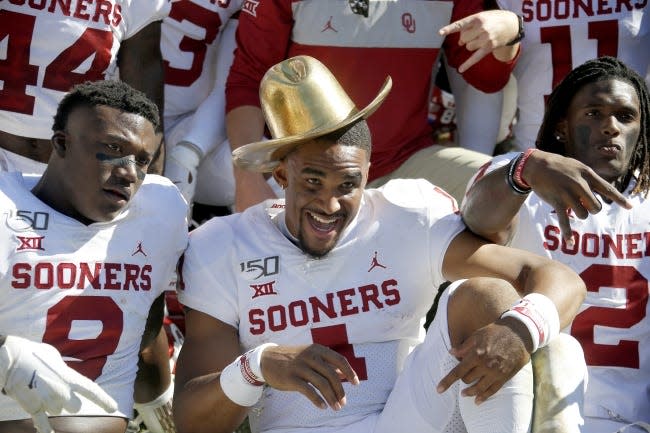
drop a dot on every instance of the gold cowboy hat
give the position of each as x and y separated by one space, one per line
301 100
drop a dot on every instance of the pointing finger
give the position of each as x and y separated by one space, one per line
454 27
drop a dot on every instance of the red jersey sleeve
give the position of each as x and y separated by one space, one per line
489 74
263 38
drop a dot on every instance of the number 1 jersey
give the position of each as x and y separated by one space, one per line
365 299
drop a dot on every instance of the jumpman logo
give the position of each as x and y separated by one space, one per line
139 249
375 263
329 26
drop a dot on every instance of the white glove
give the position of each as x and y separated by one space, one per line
36 377
181 165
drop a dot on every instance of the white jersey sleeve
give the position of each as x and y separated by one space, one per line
561 36
87 289
366 298
51 46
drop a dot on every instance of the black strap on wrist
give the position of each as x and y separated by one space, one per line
520 34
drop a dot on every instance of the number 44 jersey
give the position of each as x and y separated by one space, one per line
51 45
87 289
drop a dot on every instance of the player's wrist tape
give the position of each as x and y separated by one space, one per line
512 167
157 414
538 313
242 379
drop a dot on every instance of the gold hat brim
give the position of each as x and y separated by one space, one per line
264 156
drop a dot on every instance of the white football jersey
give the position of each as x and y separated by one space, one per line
611 253
48 47
561 35
365 299
189 42
87 289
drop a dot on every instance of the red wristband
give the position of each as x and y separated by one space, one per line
519 169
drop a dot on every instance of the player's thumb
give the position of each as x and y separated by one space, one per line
93 392
41 422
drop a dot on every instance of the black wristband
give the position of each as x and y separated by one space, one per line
520 34
511 182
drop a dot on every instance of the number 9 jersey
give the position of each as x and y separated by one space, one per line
50 45
87 289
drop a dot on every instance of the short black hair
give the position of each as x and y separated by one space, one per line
112 93
599 69
356 134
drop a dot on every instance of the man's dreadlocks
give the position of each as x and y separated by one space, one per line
599 69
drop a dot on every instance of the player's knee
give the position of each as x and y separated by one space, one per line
478 302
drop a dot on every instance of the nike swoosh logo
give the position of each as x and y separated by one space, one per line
32 382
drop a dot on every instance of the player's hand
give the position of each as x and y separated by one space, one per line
250 189
309 370
36 377
482 33
570 187
488 358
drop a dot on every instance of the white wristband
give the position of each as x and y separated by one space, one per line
157 414
242 379
538 313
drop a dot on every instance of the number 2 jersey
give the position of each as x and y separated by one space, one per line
51 45
611 252
365 299
563 34
87 289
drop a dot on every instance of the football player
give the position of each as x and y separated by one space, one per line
326 292
198 41
88 250
581 198
559 35
51 46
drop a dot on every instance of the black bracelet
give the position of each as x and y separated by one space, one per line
520 34
511 182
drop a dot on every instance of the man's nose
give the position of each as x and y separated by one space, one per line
610 125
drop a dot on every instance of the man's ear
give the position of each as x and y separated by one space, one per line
561 131
59 143
280 175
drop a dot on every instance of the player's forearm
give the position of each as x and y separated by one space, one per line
200 406
560 284
154 375
245 125
490 207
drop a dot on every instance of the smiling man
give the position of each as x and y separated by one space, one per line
88 249
292 284
592 163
